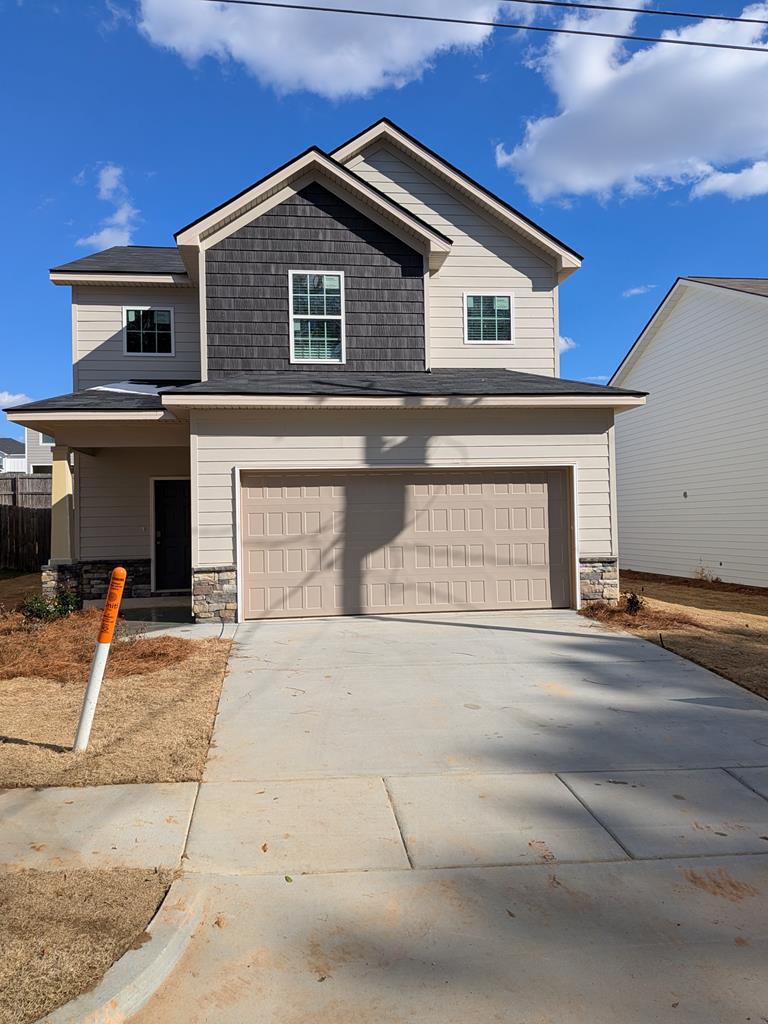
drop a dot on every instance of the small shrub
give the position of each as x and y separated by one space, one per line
705 574
45 609
634 603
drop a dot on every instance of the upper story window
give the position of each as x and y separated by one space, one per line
487 319
46 439
148 331
317 317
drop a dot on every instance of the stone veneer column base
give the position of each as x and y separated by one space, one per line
89 581
599 580
214 594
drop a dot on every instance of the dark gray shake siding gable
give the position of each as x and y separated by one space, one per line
247 288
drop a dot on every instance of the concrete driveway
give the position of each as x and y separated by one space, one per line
472 818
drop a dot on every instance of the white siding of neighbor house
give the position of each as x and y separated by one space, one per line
113 502
97 325
704 430
38 454
352 439
483 257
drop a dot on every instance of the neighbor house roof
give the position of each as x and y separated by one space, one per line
751 285
747 285
10 446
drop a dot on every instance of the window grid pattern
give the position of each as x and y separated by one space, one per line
489 318
316 307
148 332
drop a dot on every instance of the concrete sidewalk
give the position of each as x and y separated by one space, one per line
472 818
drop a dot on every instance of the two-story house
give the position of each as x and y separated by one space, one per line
338 393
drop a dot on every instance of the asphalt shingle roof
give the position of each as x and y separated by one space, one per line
472 382
752 285
128 259
437 382
10 446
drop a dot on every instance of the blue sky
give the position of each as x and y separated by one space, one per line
133 118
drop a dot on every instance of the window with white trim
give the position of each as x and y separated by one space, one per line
488 319
46 439
317 317
148 331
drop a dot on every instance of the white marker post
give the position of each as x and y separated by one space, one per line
99 663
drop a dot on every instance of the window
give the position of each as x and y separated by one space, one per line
148 332
46 439
488 319
317 317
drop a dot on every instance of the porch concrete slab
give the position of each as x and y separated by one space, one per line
466 820
295 827
683 942
676 813
137 826
755 778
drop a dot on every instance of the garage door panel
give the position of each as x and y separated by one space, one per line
343 543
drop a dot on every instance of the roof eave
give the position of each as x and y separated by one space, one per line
412 402
120 279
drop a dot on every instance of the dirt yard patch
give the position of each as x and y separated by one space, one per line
16 586
722 626
50 954
155 714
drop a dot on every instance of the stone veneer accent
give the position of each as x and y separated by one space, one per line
89 580
214 594
599 579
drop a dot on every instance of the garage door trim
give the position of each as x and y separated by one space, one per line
572 478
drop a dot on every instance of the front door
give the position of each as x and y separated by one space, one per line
173 548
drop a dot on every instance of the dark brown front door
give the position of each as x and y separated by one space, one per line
173 547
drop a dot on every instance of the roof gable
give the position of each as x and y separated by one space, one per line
387 132
747 287
314 165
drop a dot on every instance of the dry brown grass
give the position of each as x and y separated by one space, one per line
723 627
155 713
63 930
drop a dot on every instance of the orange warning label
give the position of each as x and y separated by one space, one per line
112 606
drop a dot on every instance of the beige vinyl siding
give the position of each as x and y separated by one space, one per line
347 439
38 454
484 258
703 431
98 335
113 506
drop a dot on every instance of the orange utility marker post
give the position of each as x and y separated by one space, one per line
99 663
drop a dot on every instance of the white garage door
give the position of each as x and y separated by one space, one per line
352 543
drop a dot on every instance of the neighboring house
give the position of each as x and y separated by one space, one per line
338 393
693 472
12 458
38 447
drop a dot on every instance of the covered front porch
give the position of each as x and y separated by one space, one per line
120 495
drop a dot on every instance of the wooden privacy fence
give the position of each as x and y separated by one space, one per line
25 491
25 522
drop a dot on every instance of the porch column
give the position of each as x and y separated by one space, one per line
62 507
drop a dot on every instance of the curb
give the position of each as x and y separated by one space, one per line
133 979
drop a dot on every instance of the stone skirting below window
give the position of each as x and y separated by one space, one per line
599 579
214 594
89 581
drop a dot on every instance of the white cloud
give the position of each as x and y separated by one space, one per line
640 289
118 227
649 118
332 55
751 181
565 344
600 378
7 399
110 181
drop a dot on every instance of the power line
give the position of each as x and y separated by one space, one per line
400 15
